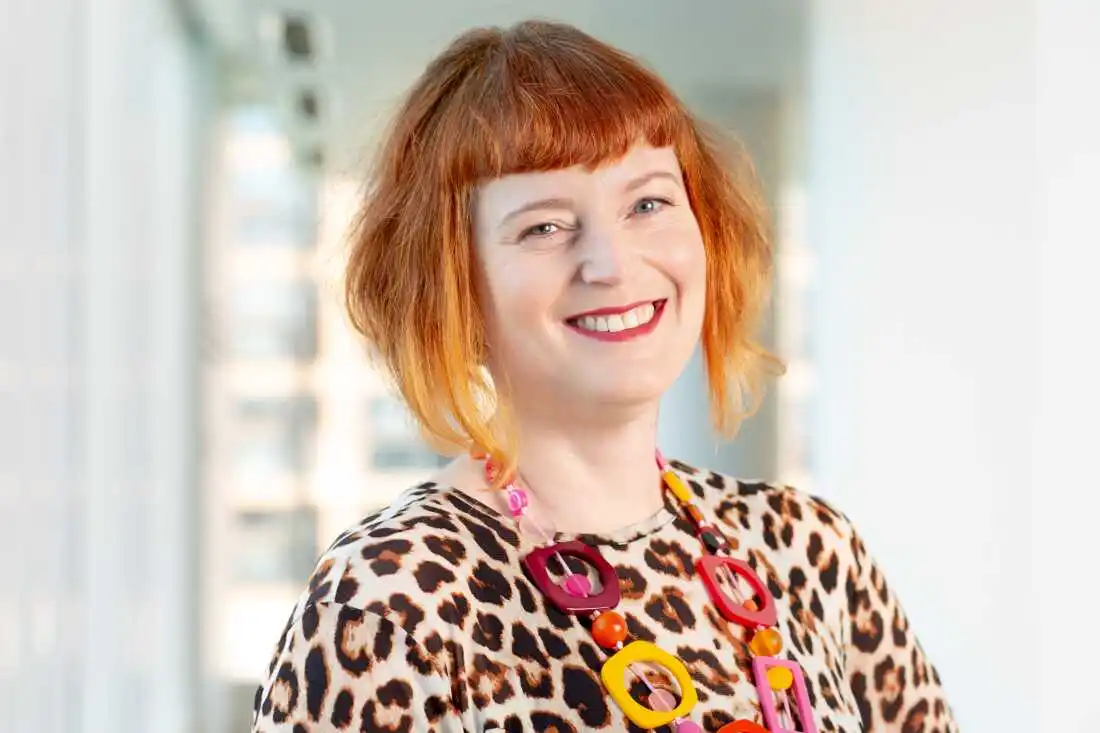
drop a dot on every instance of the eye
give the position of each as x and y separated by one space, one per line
546 229
650 206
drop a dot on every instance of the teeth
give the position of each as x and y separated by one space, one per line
639 316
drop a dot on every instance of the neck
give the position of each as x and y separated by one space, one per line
591 478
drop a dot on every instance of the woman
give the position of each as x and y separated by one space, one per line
547 237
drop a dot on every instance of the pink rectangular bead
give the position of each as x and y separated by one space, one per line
760 667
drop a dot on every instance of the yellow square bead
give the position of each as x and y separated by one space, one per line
613 674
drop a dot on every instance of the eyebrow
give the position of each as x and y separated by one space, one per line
551 203
647 177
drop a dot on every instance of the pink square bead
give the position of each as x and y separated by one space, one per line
760 667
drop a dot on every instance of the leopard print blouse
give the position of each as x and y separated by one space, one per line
420 618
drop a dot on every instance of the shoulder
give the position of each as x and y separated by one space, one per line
778 519
415 561
761 501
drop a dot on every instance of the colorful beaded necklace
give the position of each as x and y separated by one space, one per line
572 593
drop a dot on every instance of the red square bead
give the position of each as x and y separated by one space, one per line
535 563
708 567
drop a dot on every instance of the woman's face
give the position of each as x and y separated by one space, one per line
593 282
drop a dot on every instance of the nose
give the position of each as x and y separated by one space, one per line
603 257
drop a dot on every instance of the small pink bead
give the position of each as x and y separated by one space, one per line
517 500
577 585
661 701
683 725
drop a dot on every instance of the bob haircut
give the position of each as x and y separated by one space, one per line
534 97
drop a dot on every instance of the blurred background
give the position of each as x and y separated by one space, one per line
186 420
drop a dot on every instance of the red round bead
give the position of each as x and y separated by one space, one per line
742 726
608 629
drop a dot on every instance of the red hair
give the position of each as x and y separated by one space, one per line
538 96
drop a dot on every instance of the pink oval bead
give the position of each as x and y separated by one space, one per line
686 726
577 585
517 500
661 701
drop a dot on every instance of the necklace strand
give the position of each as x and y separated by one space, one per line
572 592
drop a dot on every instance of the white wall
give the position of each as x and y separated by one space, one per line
38 281
99 143
952 373
1065 483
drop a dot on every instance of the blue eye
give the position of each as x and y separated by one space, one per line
650 206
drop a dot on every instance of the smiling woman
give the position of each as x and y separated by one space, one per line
547 237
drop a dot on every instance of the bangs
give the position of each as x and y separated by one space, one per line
546 106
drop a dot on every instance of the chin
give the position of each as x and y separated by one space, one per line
624 391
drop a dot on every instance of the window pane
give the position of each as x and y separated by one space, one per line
274 321
275 201
395 441
275 546
276 435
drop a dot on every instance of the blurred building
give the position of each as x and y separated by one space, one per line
302 436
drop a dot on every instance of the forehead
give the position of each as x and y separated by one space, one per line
499 195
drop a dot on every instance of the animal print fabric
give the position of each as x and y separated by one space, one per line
420 618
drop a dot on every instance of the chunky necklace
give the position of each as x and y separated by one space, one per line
776 680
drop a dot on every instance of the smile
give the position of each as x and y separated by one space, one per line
619 324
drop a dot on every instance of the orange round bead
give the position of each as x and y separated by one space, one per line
751 605
695 514
608 629
766 643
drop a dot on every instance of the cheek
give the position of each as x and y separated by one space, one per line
520 290
684 257
695 262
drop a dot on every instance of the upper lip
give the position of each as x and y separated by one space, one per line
614 310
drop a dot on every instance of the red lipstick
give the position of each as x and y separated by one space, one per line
627 334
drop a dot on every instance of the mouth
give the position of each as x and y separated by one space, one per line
619 324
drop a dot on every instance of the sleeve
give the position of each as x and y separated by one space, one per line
895 684
339 668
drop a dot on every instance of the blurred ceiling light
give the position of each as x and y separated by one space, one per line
259 150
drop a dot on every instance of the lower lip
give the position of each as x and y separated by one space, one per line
626 334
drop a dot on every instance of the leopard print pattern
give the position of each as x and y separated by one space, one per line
420 618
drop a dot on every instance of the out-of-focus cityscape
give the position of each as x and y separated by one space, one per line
187 420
